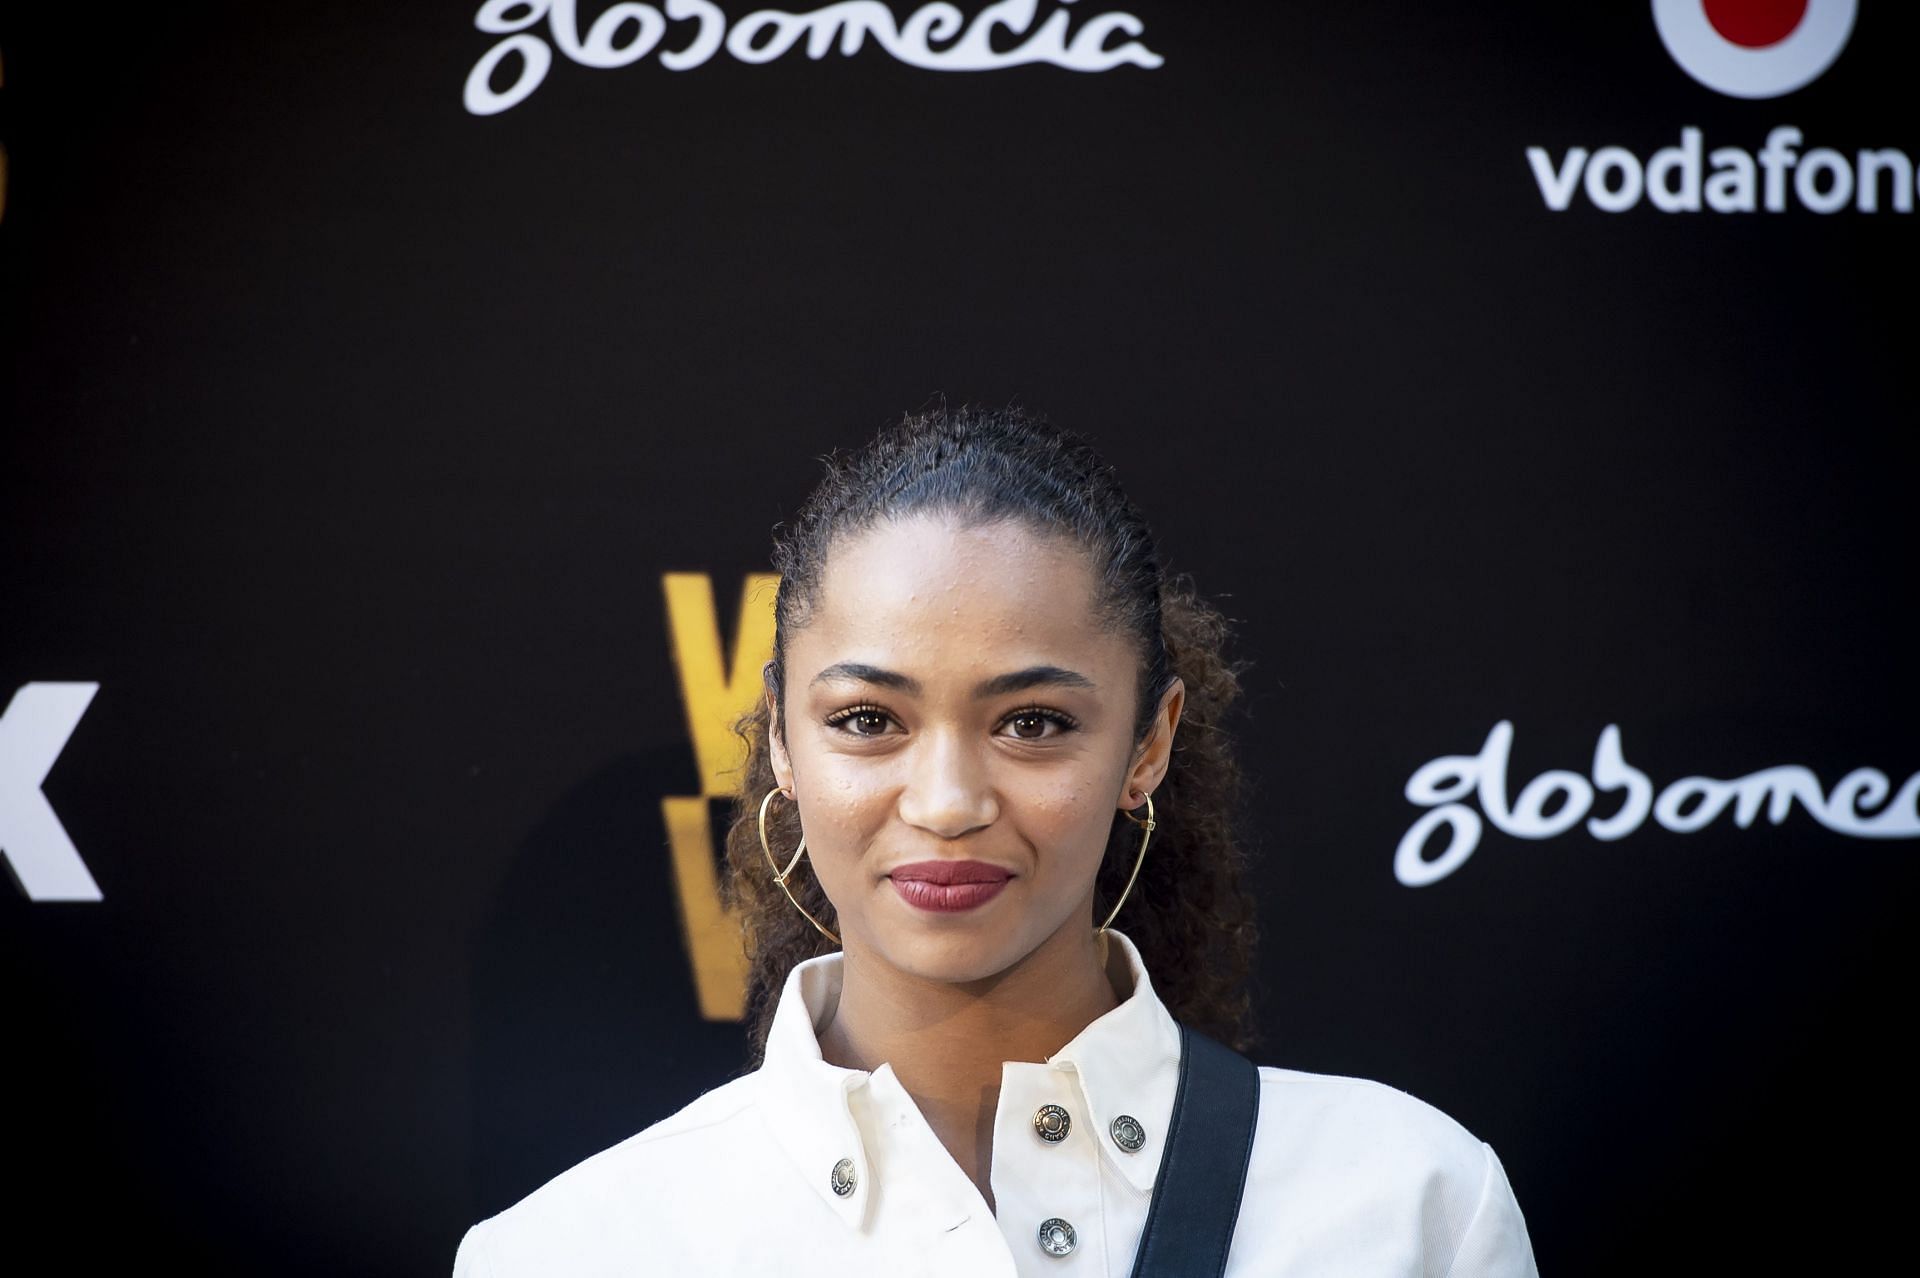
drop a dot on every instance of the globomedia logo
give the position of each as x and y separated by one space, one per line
1753 49
685 34
1862 804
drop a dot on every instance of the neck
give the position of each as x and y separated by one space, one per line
947 1041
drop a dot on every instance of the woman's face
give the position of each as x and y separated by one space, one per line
954 699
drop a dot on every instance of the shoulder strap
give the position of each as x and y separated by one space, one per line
1196 1194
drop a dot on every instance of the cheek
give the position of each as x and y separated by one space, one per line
844 805
1074 816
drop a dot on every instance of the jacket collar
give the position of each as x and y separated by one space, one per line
1126 1062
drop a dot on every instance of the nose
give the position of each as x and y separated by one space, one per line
949 791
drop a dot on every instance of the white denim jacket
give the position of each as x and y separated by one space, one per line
802 1168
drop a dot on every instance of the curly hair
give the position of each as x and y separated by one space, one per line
1189 914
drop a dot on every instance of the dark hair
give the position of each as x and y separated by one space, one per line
1189 914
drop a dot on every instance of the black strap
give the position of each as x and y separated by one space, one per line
1196 1195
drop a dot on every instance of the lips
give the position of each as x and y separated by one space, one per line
948 886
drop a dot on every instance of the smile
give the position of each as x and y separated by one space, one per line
946 887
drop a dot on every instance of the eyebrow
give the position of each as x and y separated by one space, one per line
998 686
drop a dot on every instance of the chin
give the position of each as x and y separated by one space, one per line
955 956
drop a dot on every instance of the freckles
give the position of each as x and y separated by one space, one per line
1062 806
845 804
841 802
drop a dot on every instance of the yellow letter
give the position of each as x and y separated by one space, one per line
716 693
713 695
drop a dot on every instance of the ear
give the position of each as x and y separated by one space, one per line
1151 761
776 748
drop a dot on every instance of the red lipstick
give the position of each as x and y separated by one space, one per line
946 887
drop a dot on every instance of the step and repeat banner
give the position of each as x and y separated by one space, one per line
397 401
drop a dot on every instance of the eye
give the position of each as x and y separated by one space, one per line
1037 723
860 721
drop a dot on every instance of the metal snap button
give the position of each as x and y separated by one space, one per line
1128 1134
1053 1123
1056 1237
843 1178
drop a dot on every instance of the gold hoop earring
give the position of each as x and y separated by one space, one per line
1146 833
780 875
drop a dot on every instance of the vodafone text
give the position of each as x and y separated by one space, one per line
1687 178
628 32
1689 804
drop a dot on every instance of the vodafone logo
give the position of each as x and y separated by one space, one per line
1754 48
1746 49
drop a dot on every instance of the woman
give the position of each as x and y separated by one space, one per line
990 728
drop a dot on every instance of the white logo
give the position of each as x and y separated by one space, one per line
33 732
1689 804
1727 179
1754 48
1749 49
628 32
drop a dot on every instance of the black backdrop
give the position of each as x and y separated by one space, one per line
348 436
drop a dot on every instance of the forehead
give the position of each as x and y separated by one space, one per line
931 593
